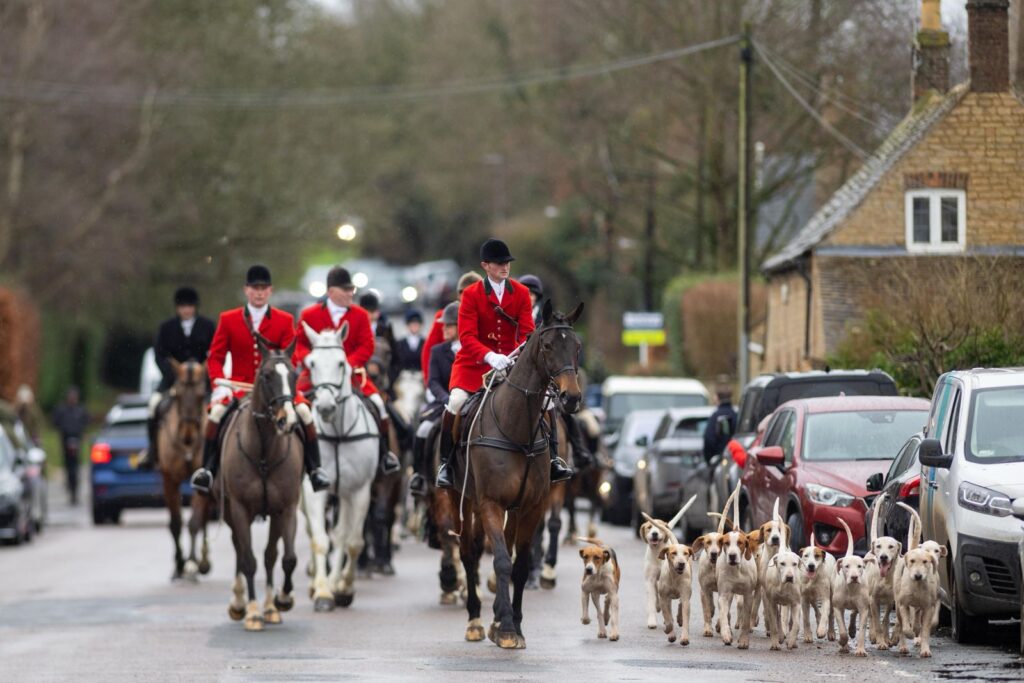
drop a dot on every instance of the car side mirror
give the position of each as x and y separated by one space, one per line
930 454
770 455
874 482
642 441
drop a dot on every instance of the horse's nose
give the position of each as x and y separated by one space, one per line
570 401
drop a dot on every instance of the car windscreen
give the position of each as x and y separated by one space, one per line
620 405
995 430
122 430
816 389
859 435
689 427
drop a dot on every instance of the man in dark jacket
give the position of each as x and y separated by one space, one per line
409 348
442 356
721 425
71 419
385 336
184 337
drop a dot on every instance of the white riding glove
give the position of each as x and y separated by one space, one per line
219 393
498 361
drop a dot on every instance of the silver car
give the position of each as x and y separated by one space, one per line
631 441
673 469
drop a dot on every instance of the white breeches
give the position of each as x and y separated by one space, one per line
154 401
378 403
455 400
304 413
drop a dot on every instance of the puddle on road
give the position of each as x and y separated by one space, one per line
703 665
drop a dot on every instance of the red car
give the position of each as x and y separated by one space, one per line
816 455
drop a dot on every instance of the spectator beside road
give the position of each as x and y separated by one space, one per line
721 425
71 419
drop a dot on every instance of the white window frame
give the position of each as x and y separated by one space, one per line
934 245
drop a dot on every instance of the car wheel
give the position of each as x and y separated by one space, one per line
965 627
115 516
99 514
796 531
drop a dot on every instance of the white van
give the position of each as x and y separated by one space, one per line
622 395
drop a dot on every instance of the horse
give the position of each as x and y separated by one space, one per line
180 441
442 517
500 490
542 563
261 475
348 437
587 484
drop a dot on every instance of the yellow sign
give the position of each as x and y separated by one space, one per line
638 337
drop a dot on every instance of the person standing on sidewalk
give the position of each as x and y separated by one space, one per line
71 419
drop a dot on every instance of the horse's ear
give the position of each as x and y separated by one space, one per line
343 332
291 347
547 312
262 344
311 335
575 315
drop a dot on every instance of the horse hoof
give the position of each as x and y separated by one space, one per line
236 613
474 633
532 583
508 640
254 623
205 567
284 602
191 570
385 569
492 632
546 583
344 599
271 616
449 598
520 642
323 605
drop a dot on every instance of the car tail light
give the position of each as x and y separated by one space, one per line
912 487
100 453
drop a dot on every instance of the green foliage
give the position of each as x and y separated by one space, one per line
672 307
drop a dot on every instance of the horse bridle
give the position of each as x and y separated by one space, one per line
188 419
570 367
335 387
276 400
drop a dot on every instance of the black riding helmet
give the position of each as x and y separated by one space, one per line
534 284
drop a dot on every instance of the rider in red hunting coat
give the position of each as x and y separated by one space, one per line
332 313
236 334
495 317
436 334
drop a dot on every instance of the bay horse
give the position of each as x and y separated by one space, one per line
587 482
441 521
348 437
179 452
501 491
261 476
543 559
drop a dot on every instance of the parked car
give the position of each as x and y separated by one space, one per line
767 392
29 464
620 396
673 468
15 498
901 484
815 456
116 481
636 433
972 472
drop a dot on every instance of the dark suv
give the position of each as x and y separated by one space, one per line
767 392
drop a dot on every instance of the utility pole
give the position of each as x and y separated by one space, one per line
742 203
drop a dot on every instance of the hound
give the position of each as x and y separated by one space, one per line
657 534
937 551
712 544
736 574
887 551
676 583
600 577
850 591
819 569
916 588
772 537
781 587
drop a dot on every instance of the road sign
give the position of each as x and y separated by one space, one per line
643 328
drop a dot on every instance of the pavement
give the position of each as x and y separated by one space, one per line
96 603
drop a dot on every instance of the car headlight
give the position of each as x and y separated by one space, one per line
983 500
823 495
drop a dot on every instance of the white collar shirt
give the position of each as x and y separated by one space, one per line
498 287
187 325
337 312
256 314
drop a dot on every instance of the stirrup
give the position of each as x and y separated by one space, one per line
318 478
560 471
444 477
418 485
202 480
389 463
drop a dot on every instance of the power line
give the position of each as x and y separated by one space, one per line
42 92
829 128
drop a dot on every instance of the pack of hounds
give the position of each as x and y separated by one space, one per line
757 571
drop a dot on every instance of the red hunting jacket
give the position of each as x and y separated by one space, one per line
233 335
483 329
359 343
434 337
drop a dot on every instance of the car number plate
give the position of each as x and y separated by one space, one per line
133 460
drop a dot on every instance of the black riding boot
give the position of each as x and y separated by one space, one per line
581 456
444 472
149 457
388 461
559 470
202 479
417 483
311 459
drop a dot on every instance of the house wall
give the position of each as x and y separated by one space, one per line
784 327
982 137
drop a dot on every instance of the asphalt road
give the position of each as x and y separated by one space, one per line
96 603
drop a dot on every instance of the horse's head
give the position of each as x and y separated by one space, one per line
558 354
189 392
329 371
274 390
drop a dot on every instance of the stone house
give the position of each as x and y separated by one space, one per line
948 183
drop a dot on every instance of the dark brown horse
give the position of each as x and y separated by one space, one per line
543 560
261 476
505 471
179 454
442 514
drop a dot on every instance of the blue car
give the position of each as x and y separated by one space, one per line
117 483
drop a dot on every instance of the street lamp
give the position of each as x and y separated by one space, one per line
346 232
317 289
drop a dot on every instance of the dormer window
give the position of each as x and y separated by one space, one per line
936 220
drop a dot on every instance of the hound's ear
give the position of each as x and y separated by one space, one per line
698 545
581 551
899 548
869 558
548 310
934 560
575 315
607 556
343 332
943 552
643 529
663 553
752 543
310 334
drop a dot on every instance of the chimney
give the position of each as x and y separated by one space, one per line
989 45
931 52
